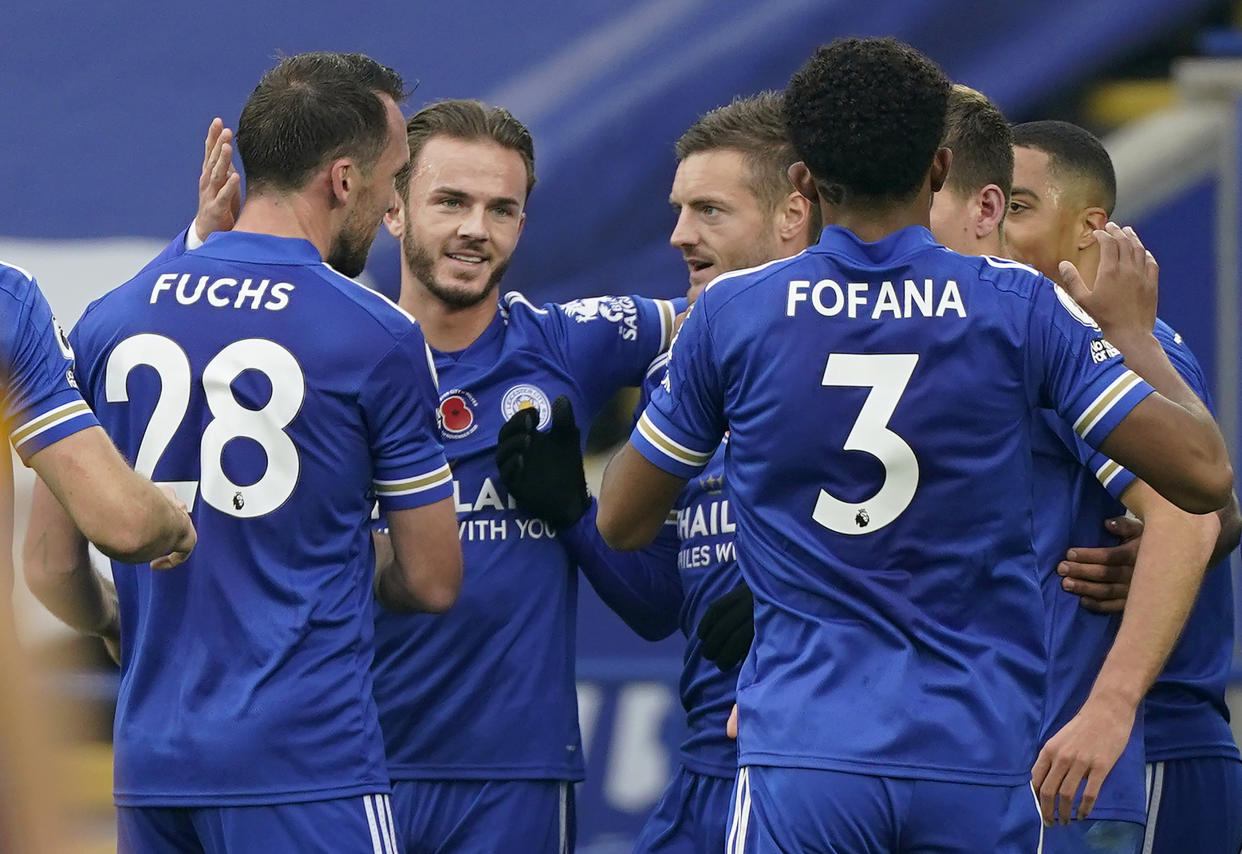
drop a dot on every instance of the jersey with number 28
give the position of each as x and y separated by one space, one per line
279 398
880 398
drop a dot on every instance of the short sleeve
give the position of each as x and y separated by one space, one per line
1079 373
1112 475
610 341
683 424
399 401
41 398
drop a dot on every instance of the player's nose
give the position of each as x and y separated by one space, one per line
684 233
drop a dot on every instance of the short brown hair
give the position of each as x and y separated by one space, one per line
311 108
467 120
754 127
981 141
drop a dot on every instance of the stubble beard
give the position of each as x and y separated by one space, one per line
422 266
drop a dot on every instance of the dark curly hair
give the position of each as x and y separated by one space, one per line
1073 152
866 116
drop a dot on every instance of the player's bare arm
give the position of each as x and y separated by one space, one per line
58 571
635 500
1173 425
1168 570
420 567
121 512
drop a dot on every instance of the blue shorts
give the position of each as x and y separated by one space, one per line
484 816
692 816
1094 836
1194 805
356 825
807 810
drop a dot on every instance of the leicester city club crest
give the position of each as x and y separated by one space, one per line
526 396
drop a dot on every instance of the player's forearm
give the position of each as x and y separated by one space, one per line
1169 568
59 574
635 500
643 587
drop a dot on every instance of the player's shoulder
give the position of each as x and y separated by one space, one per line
368 306
736 283
1003 273
1170 338
16 283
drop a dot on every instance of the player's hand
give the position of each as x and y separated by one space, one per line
1123 301
728 628
219 184
543 471
187 537
1086 748
731 724
1100 577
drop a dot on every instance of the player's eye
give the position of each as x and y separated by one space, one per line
450 203
1016 207
709 210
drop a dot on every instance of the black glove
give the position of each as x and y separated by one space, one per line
543 471
728 627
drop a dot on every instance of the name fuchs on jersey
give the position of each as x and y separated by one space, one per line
910 299
223 292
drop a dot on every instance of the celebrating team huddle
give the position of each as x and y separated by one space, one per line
868 438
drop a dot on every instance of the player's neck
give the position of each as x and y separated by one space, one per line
446 329
871 223
286 216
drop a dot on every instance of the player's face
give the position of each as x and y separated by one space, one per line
374 196
721 225
464 217
1041 227
951 223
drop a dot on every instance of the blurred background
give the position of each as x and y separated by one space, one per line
105 107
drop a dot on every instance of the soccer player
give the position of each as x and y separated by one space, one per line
55 434
1064 186
1071 508
478 707
280 397
892 690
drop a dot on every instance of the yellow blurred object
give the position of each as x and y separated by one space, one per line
86 776
1117 102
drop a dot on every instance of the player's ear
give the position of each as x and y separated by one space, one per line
991 210
342 177
939 172
394 218
1092 218
794 213
803 182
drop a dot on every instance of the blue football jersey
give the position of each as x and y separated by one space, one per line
279 398
879 399
41 403
704 529
487 691
1071 503
1185 714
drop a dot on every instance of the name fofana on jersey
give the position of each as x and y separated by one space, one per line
828 298
223 292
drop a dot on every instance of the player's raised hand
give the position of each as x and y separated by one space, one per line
1085 749
1123 301
187 538
543 471
1100 577
727 628
219 184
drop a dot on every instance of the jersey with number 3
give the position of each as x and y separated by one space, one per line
279 398
880 399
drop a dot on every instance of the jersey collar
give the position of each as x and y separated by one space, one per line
259 248
884 252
